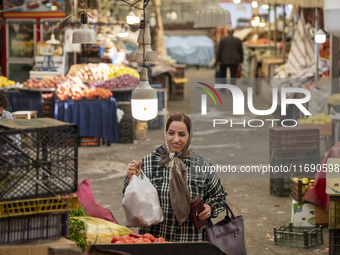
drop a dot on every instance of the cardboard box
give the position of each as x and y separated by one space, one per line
303 214
332 176
325 129
35 248
321 217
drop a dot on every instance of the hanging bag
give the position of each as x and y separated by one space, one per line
141 203
228 234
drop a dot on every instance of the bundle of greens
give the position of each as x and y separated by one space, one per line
77 228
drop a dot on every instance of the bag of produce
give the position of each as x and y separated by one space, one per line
141 203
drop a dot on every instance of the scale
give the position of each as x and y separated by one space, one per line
47 63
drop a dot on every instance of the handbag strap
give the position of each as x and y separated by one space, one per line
229 210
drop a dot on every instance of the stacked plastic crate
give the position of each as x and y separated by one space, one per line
158 122
125 126
334 224
38 168
177 83
294 151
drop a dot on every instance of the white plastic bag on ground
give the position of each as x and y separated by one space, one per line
141 203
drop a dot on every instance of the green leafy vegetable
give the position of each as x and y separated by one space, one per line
77 228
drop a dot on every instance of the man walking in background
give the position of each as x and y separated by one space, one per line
230 55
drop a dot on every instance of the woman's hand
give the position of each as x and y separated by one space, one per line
206 213
134 168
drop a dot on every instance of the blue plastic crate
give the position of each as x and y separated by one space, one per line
156 123
160 95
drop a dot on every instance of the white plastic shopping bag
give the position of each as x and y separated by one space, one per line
141 203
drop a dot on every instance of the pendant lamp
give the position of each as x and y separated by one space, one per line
84 34
331 11
144 103
212 15
144 47
132 18
53 40
320 36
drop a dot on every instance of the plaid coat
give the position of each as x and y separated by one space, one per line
206 185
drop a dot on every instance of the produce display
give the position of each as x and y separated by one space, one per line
45 82
305 183
262 41
334 99
101 77
4 82
120 70
146 238
124 81
74 89
95 72
84 230
320 118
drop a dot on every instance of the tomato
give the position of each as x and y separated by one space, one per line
140 240
119 242
146 240
127 239
160 240
116 239
149 236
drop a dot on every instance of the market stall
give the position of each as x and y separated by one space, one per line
94 118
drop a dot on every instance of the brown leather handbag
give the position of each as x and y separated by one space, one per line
228 234
196 207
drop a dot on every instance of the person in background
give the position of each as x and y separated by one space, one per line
15 138
229 55
171 169
4 114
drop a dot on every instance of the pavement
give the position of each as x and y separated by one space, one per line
249 196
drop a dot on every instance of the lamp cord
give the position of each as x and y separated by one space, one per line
144 25
145 3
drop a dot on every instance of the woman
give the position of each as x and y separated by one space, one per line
171 169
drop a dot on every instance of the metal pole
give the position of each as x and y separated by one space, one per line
335 63
268 23
275 29
316 47
284 34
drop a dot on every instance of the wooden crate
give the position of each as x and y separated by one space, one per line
177 88
294 139
25 114
325 129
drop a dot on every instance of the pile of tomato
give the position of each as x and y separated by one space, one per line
146 238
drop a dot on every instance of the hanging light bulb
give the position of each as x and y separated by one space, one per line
320 36
152 20
290 6
84 34
212 15
53 40
144 102
132 18
237 1
265 6
54 8
173 15
255 21
262 23
144 46
254 4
